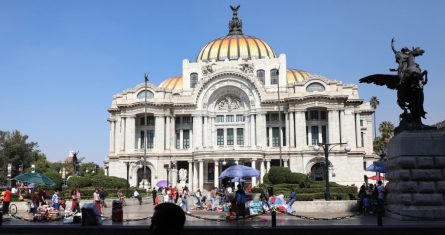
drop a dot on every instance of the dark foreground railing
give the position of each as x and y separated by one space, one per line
242 230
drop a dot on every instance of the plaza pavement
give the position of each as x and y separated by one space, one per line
139 215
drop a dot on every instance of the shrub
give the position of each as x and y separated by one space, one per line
296 178
278 175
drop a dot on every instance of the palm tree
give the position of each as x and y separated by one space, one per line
386 129
374 102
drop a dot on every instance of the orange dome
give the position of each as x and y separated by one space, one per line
173 83
233 47
296 75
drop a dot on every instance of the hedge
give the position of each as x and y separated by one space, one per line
99 181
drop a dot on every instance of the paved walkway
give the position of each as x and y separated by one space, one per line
135 214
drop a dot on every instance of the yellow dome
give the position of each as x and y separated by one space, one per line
173 83
233 47
296 75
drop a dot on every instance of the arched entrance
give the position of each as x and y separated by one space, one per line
140 177
318 171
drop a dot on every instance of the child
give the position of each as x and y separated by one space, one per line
55 200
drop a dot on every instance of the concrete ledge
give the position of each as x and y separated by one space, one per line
323 206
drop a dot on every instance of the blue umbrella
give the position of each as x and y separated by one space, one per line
377 167
239 171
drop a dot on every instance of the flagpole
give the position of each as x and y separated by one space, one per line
145 122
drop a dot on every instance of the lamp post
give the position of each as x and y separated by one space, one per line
327 147
145 123
279 117
166 166
128 176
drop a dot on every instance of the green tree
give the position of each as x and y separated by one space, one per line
386 129
17 150
374 102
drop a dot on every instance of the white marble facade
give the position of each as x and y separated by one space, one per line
224 110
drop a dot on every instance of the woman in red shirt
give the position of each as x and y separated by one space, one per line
6 201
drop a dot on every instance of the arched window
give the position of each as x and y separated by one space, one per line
141 94
315 87
260 74
274 76
193 80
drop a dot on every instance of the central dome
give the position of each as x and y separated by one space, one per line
233 47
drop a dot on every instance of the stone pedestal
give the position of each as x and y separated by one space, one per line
416 175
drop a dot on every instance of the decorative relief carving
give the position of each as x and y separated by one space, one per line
208 69
247 67
229 103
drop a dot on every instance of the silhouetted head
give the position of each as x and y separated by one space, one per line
168 218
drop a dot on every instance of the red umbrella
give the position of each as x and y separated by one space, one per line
376 177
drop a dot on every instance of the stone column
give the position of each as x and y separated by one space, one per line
195 176
333 126
358 130
235 135
212 133
262 171
197 131
174 174
267 165
285 160
172 133
167 132
252 130
159 133
201 174
206 132
129 134
300 129
270 136
216 173
261 129
121 134
192 142
190 175
349 133
415 172
246 132
287 129
181 139
112 135
253 165
292 130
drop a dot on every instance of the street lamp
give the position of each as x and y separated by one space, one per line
128 176
327 147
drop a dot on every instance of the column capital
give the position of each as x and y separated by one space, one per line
128 115
159 115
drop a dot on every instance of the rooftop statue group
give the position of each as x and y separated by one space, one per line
409 83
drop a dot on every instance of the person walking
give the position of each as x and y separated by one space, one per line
240 198
213 198
154 194
137 196
185 200
96 197
55 200
103 195
35 201
6 201
75 202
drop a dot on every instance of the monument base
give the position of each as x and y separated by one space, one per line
416 175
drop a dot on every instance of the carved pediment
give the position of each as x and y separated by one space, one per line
229 103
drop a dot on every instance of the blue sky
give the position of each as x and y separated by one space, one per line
62 61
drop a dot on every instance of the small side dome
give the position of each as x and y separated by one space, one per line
173 83
296 76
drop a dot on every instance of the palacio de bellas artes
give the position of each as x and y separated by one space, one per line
238 102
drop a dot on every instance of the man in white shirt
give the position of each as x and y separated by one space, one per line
136 195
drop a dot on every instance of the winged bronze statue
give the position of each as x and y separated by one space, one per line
409 83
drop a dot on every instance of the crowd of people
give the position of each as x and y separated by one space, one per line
371 198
